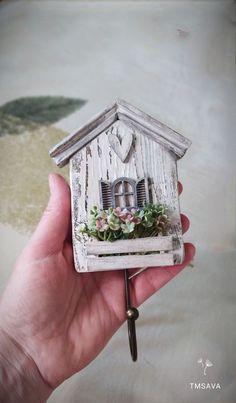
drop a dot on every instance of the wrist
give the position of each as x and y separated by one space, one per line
20 379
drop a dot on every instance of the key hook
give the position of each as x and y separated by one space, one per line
132 315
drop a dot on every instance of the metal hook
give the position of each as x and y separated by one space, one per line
137 272
131 314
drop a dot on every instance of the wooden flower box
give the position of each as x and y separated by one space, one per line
160 253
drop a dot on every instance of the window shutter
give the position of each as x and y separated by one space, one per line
105 195
142 192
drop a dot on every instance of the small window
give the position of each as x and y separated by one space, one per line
124 193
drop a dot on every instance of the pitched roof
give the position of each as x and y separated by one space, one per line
132 116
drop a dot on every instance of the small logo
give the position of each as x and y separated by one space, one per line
205 364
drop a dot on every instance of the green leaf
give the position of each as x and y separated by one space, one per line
127 227
43 109
151 224
12 125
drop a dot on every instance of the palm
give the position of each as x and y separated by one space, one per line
66 318
86 309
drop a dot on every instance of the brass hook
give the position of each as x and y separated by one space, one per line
132 314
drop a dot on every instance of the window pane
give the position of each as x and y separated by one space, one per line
129 201
124 193
120 201
128 188
118 188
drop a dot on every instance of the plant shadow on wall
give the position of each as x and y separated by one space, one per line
26 135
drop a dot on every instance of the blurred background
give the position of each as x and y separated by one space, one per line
61 62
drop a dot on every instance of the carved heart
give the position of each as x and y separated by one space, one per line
121 146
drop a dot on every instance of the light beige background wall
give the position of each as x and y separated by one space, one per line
174 60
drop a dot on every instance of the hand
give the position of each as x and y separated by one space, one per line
59 318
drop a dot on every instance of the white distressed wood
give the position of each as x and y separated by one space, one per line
128 262
120 141
167 135
164 243
84 130
153 154
70 148
79 250
146 159
158 131
98 161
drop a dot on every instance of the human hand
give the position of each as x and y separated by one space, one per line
60 319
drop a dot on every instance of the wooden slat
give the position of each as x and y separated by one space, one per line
84 130
166 133
62 158
164 243
62 152
128 262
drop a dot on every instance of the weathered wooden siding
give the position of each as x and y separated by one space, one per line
98 161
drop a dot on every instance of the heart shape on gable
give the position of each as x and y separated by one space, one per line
121 145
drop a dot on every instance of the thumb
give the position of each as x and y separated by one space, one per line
54 225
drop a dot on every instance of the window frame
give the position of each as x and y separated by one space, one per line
123 194
107 191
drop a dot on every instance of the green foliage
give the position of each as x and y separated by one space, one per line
41 109
10 124
114 223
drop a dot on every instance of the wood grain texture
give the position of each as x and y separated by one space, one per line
161 243
120 110
128 262
123 141
98 161
120 141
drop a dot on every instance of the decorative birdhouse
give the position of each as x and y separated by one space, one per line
125 205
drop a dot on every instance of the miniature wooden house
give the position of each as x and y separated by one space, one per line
123 158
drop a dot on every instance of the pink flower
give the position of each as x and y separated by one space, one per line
132 218
122 214
117 211
101 225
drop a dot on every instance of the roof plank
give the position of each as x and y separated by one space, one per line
132 116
